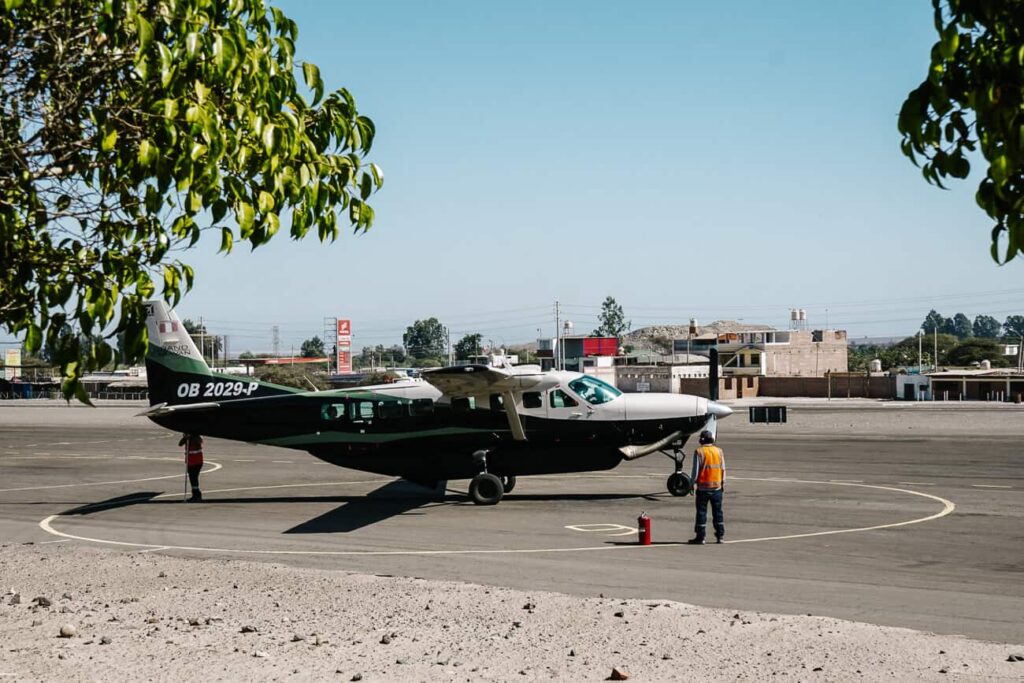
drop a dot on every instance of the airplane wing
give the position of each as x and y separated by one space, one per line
477 380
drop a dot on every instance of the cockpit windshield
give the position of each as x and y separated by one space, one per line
593 390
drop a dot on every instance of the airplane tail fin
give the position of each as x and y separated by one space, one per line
172 358
178 374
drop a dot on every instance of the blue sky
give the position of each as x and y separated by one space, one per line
717 160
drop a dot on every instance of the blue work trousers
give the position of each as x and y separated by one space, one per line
715 498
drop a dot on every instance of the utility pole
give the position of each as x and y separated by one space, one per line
202 338
935 338
921 336
558 339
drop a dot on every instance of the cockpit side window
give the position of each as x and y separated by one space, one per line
532 399
332 411
560 399
593 390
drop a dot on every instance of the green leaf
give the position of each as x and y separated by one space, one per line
227 240
109 140
950 41
33 338
999 168
365 186
268 138
311 74
166 64
245 216
145 31
378 175
265 202
218 210
192 44
147 153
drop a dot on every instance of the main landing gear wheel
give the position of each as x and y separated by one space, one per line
486 489
679 484
508 482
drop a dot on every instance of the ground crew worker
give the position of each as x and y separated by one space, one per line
193 444
709 480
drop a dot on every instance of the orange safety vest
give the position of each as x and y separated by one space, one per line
709 478
193 452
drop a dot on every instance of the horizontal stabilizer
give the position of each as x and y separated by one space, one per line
164 409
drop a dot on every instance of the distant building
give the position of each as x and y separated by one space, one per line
773 353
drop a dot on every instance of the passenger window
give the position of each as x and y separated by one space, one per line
391 409
421 406
460 405
532 399
333 411
360 411
497 403
560 399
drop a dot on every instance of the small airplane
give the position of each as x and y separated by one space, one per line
485 423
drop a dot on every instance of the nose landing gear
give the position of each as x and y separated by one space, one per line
678 484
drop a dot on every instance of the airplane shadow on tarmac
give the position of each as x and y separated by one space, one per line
354 512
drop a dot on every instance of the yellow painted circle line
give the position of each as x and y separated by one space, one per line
948 507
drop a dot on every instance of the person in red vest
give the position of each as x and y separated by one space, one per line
193 444
709 480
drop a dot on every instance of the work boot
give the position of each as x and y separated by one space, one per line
197 496
719 539
699 540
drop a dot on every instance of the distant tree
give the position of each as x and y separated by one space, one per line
298 376
968 108
313 348
613 320
976 350
986 327
468 346
1014 326
961 326
933 321
425 339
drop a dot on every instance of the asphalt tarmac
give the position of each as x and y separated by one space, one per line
905 524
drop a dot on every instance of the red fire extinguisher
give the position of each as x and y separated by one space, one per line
643 528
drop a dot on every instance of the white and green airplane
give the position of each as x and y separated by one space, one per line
479 422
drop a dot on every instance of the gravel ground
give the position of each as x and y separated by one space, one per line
150 617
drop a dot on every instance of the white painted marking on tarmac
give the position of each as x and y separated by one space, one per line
915 483
216 466
846 481
240 460
603 529
287 462
948 507
153 550
990 486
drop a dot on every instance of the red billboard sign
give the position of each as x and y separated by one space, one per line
344 345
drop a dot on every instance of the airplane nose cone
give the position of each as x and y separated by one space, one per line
718 410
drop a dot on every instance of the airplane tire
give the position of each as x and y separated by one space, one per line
508 482
486 489
679 484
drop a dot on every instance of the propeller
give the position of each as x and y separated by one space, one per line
712 423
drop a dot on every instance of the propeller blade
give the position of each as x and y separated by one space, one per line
713 375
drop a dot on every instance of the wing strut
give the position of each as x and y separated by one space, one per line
514 423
